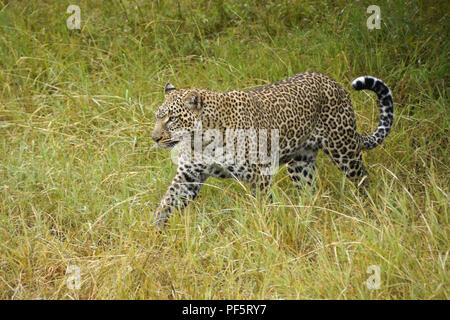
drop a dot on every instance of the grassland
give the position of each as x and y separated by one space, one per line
80 178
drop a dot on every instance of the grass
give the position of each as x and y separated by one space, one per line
80 178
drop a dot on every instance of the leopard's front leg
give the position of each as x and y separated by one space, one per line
184 187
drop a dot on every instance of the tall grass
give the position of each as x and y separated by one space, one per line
80 177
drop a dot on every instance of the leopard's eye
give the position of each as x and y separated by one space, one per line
171 118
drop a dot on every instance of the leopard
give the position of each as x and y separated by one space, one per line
308 111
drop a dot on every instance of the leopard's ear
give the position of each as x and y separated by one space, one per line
194 101
169 87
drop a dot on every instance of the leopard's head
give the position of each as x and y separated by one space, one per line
176 116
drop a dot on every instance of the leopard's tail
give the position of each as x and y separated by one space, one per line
386 109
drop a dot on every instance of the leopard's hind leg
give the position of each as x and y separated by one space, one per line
351 164
342 143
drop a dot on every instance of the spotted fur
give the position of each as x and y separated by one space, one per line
310 110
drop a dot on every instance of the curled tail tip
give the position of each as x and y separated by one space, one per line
374 84
365 82
358 83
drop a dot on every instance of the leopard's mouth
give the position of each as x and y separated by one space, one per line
167 144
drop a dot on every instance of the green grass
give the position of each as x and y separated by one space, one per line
80 178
